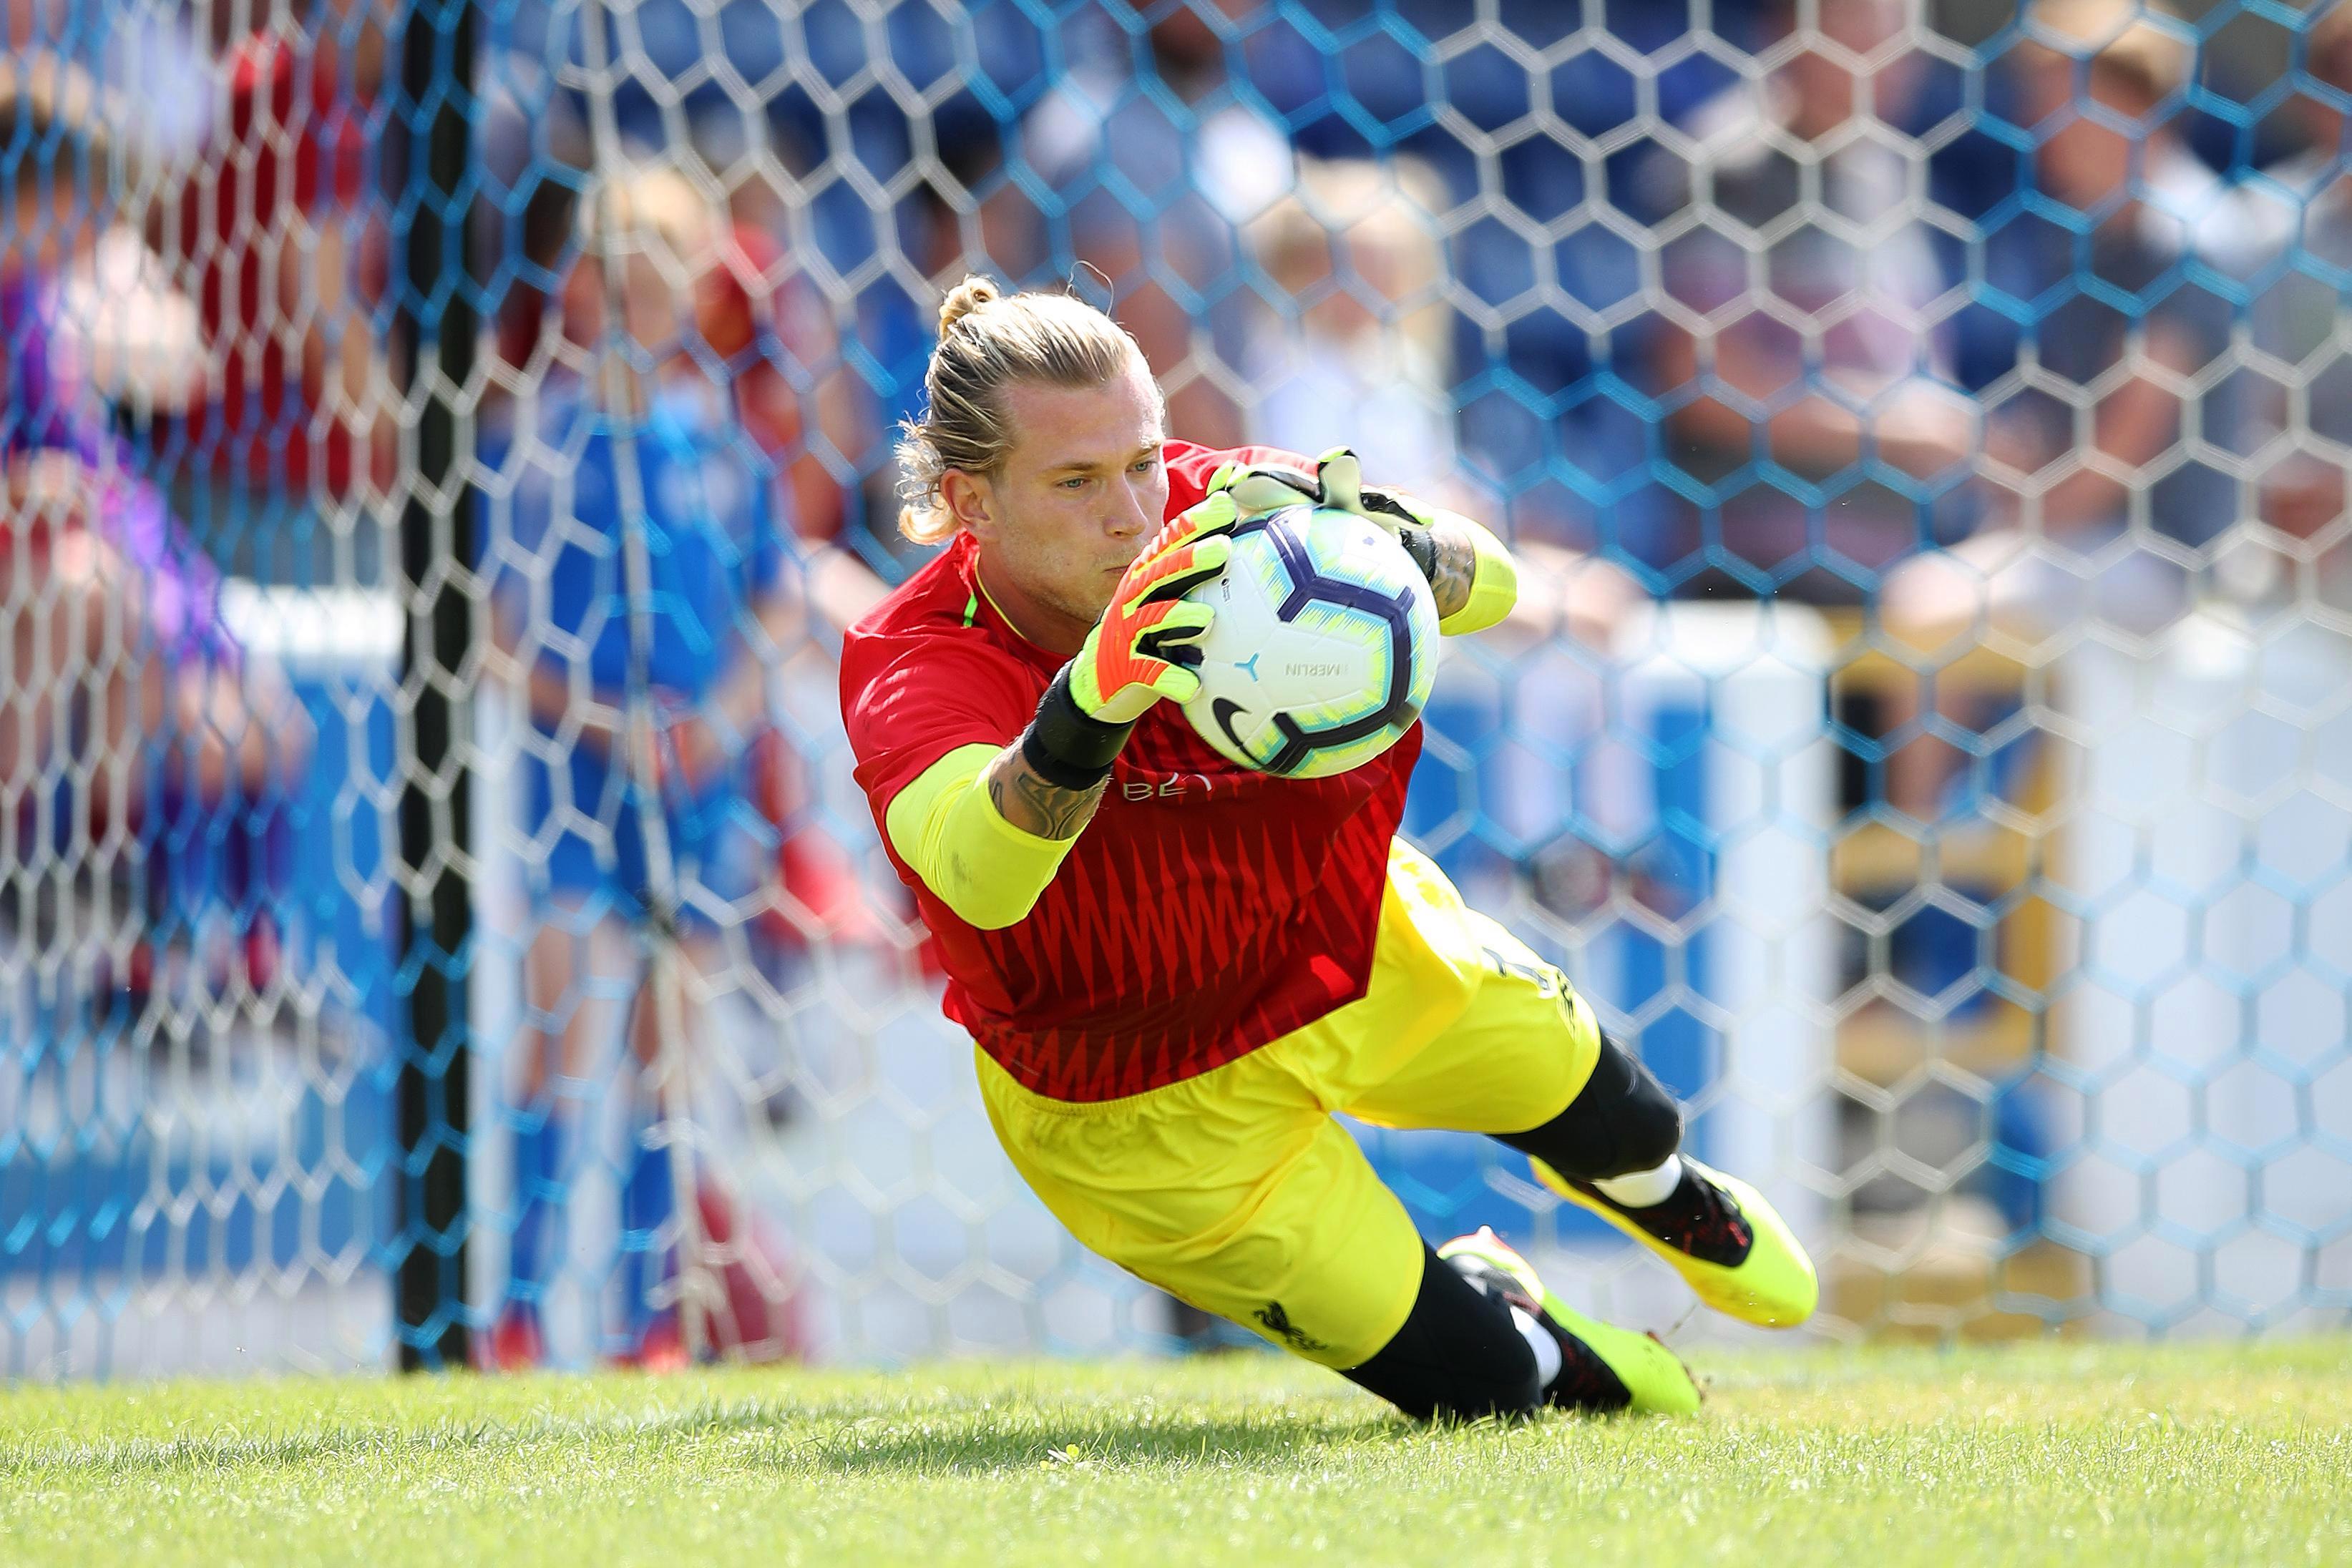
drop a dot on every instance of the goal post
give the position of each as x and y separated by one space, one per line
434 327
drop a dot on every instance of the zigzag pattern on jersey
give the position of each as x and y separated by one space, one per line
1162 957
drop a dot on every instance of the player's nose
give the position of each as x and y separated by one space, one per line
1130 517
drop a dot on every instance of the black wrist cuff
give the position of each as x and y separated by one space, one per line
1421 545
1064 747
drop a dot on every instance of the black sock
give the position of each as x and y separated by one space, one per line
1620 1121
1459 1355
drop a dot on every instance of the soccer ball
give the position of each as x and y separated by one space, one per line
1324 647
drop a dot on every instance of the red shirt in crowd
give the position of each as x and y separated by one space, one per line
296 148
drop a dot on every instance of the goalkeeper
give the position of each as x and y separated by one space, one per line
1176 970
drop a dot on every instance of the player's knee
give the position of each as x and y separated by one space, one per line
1623 1121
1459 1355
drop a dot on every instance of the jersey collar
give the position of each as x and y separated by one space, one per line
980 609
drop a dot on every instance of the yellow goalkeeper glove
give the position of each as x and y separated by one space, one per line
1136 653
1338 482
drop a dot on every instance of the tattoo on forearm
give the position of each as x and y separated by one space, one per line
1452 573
1035 806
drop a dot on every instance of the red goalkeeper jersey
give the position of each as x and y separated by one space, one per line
1205 911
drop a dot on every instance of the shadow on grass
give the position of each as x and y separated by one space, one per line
1275 1440
913 1437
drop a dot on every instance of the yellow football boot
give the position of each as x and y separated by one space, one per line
1719 1234
1601 1368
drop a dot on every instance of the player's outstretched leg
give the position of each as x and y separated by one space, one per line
1600 1367
1614 1151
1483 1338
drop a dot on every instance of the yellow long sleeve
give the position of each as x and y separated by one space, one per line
943 825
1493 586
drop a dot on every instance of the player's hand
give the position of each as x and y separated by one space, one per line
1338 482
1136 654
1260 487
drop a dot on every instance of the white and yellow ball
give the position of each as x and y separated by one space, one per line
1324 647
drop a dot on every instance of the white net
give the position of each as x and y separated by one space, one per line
1925 738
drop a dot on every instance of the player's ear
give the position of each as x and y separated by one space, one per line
971 500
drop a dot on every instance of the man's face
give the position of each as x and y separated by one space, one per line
54 223
2330 64
2086 161
1825 82
662 318
1080 492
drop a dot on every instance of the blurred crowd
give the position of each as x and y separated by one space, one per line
1815 312
1823 312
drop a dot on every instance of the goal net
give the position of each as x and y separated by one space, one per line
443 444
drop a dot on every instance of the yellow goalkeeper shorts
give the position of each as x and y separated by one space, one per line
1237 1192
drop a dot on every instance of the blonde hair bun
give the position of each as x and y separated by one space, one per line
963 299
1050 340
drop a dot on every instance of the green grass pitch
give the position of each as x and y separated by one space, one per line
2062 1453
